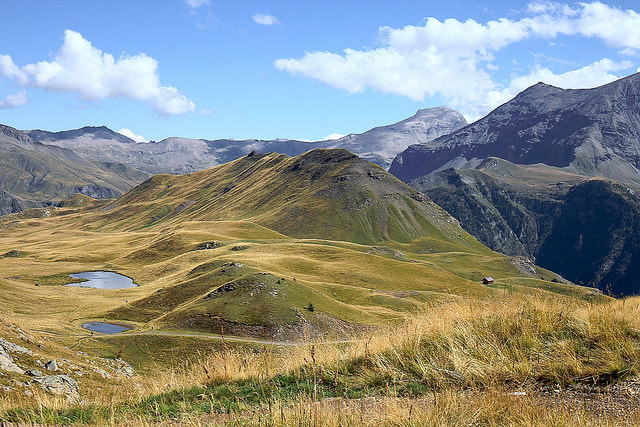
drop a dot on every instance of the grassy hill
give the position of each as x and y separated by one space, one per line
249 246
392 313
327 194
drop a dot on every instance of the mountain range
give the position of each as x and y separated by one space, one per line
527 180
594 132
183 155
584 228
34 174
513 179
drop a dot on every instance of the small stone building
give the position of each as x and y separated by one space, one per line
487 280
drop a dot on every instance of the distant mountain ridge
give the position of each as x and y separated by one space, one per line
33 174
183 155
588 131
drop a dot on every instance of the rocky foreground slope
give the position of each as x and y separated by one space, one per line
32 365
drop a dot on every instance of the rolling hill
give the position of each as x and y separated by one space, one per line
341 246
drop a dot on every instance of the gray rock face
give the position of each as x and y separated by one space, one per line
7 364
13 348
60 384
51 365
381 144
10 204
595 132
184 155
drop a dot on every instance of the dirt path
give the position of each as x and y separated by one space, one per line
230 338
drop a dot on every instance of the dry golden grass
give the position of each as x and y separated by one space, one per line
510 339
453 365
341 279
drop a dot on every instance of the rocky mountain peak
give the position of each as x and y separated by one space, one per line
9 133
589 131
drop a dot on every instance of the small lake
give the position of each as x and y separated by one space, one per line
105 328
102 280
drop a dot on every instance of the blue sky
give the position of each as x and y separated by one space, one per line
293 69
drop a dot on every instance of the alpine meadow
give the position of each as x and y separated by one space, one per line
319 214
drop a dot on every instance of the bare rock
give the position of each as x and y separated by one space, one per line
7 364
51 365
61 385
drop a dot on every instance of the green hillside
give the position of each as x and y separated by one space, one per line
265 246
326 194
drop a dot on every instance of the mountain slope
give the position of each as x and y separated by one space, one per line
267 245
588 131
33 174
544 213
381 144
328 194
184 155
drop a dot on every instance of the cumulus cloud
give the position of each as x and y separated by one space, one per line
264 19
455 59
194 4
11 71
129 134
332 136
588 76
15 100
80 68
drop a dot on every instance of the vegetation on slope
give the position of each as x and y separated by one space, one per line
326 194
33 174
480 361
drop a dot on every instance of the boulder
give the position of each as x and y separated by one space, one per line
14 348
6 362
51 365
61 385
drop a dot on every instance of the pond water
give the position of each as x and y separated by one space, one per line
105 328
102 280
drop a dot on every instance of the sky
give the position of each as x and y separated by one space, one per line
307 70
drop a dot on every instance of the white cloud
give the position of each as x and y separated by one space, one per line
206 112
618 28
455 59
264 19
196 3
129 134
11 71
15 100
588 76
81 68
332 136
